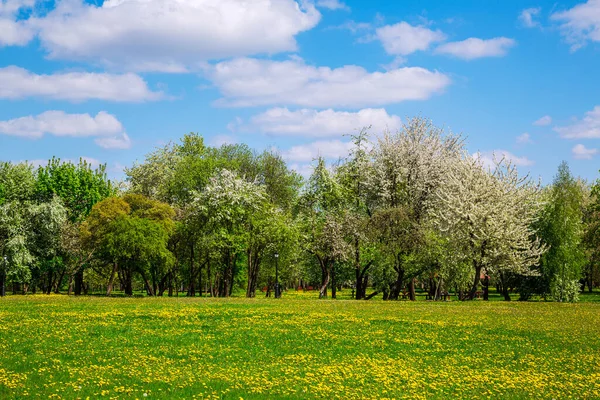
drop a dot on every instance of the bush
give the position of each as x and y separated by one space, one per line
567 290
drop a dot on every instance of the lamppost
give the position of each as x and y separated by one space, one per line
3 278
277 290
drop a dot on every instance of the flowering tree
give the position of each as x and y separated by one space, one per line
409 169
488 218
227 207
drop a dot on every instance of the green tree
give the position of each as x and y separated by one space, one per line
131 234
17 182
324 234
560 227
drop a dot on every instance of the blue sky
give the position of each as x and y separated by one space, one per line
111 80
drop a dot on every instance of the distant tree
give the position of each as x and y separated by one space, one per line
46 222
131 234
560 227
229 206
353 175
17 182
79 186
409 169
487 216
322 222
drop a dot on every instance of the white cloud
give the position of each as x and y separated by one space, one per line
329 149
14 33
488 158
332 5
528 15
580 152
18 83
587 128
172 35
473 48
580 24
524 139
251 82
544 121
119 142
59 123
304 170
105 127
326 123
403 39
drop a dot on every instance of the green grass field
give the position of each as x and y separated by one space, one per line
61 347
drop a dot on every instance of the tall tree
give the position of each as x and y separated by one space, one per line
322 218
409 169
560 227
130 235
488 217
227 207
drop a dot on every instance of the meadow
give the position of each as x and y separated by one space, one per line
295 347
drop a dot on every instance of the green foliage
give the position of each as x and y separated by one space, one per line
560 227
17 182
78 186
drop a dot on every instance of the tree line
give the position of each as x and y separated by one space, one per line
404 211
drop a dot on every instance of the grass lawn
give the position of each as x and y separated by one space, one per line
56 346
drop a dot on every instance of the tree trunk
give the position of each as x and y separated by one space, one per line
253 266
191 288
411 290
127 282
149 288
397 285
475 281
59 281
486 287
333 288
325 275
504 287
111 280
78 281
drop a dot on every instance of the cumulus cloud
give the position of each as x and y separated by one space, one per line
586 128
14 32
326 123
580 152
251 82
474 48
528 17
59 123
18 83
329 149
402 38
489 158
543 121
524 139
580 24
172 35
108 130
120 142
